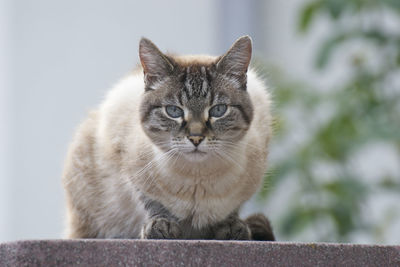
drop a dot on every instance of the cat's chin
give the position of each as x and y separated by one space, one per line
196 155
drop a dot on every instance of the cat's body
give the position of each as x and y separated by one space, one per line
136 170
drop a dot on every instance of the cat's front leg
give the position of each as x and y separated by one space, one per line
161 228
232 228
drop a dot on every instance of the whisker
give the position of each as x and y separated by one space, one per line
149 180
158 159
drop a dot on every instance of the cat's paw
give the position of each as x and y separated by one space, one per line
232 230
161 228
260 227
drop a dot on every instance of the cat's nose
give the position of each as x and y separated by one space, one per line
196 139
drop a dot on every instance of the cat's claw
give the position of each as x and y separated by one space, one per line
161 228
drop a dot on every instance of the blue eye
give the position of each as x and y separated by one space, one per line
218 110
174 111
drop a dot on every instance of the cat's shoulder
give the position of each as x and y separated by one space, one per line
124 93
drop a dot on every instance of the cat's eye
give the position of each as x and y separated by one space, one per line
174 111
218 110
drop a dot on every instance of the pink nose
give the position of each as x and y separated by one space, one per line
196 139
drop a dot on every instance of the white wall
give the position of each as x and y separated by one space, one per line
5 130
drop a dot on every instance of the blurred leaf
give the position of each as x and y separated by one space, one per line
330 44
346 188
336 7
327 48
307 15
390 183
398 60
375 35
299 218
395 4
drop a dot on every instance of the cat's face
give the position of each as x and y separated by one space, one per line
197 108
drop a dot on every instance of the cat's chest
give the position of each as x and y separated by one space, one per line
204 201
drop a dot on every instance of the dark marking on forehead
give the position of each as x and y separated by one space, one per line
197 80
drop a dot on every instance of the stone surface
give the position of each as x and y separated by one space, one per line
192 253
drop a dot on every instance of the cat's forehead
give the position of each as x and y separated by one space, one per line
196 74
196 81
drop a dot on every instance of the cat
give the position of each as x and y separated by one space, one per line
173 151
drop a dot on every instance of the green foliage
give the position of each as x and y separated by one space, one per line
364 110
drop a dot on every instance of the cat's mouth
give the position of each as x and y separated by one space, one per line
197 151
196 155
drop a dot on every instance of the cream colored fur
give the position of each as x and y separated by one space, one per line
111 159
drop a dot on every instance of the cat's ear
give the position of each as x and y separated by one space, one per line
236 61
155 64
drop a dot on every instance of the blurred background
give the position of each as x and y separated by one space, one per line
333 67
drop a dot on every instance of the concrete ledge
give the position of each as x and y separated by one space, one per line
192 253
